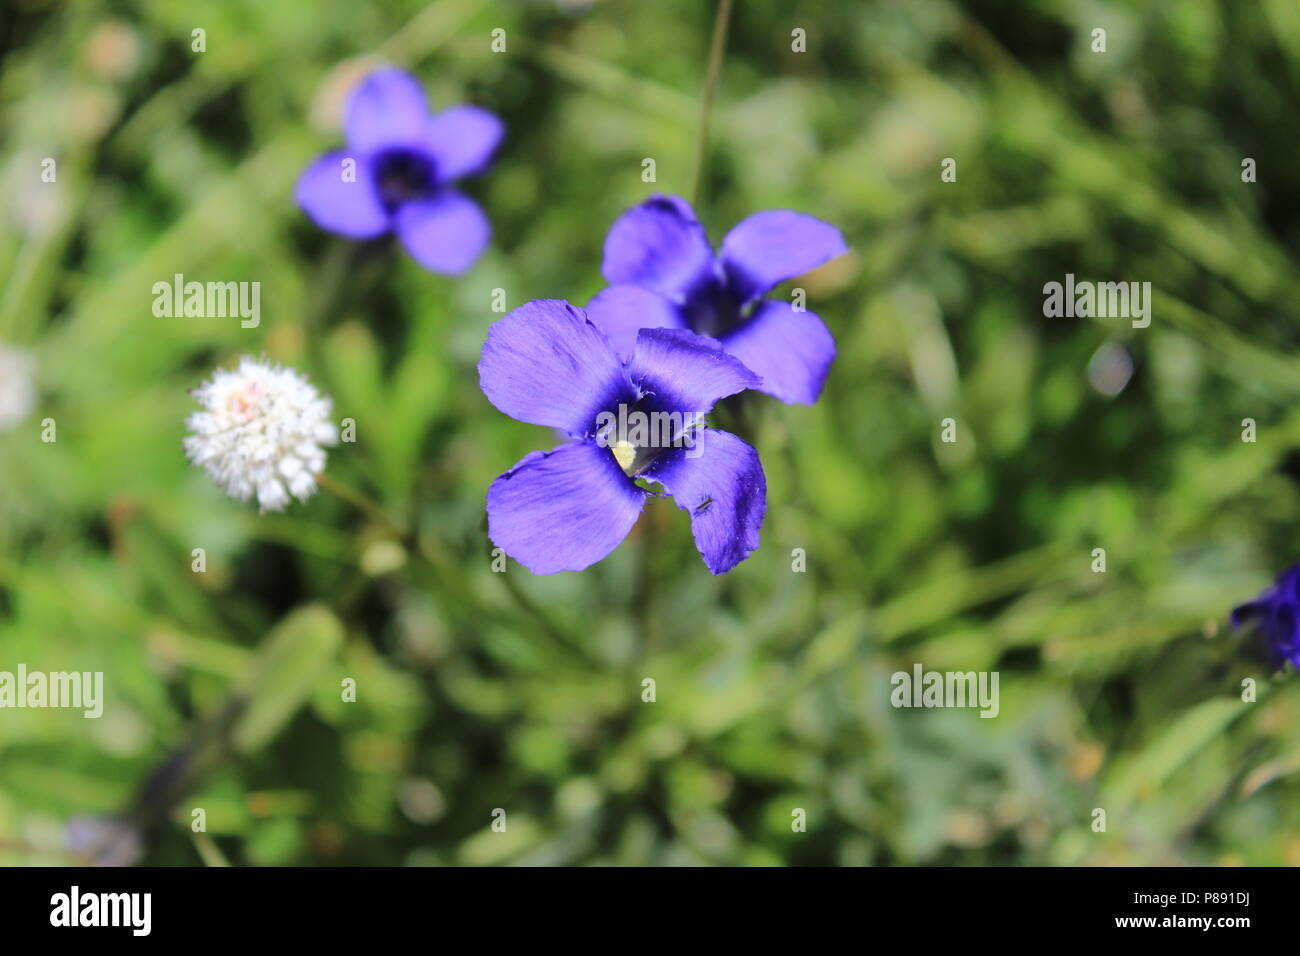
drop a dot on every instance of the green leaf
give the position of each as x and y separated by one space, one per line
295 656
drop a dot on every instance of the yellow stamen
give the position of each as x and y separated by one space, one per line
624 454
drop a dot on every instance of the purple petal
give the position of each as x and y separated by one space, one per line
621 311
462 139
444 233
721 483
386 109
350 208
792 351
770 247
562 510
545 363
659 245
684 372
1243 613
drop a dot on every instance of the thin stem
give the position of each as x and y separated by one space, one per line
546 625
358 500
209 852
644 594
326 300
716 47
447 570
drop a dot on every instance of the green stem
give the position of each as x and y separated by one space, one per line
644 595
325 301
447 572
362 502
716 48
209 852
547 626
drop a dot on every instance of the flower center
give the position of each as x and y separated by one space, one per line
636 435
403 175
242 402
625 454
712 310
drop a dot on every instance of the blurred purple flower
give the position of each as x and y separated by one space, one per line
1276 613
104 841
395 174
664 274
546 363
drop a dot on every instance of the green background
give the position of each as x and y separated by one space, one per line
476 690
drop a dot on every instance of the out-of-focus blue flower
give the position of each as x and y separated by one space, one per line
104 841
664 274
1276 614
396 172
547 364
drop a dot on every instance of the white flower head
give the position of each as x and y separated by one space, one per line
17 391
261 432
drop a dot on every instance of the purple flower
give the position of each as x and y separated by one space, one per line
546 363
396 173
104 841
663 274
1277 615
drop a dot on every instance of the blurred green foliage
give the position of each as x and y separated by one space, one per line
477 690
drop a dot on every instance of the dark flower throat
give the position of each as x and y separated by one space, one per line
403 175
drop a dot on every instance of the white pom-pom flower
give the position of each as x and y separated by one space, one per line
260 433
17 391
